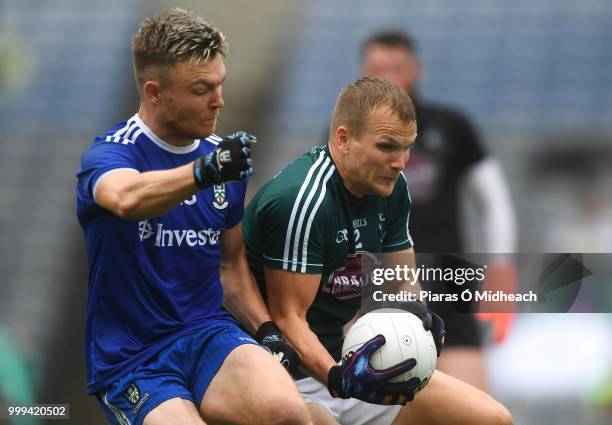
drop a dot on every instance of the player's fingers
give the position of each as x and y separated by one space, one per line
247 139
395 370
243 137
247 174
400 393
405 389
427 321
392 399
400 399
246 168
245 163
372 345
438 332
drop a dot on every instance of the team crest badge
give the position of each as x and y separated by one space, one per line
219 199
132 393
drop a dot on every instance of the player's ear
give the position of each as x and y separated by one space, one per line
151 90
341 138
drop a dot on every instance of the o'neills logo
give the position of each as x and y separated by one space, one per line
177 237
347 281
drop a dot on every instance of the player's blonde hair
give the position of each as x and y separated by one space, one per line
169 38
356 100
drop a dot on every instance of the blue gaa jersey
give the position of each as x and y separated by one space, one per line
150 281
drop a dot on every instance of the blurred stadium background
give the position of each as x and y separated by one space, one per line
535 75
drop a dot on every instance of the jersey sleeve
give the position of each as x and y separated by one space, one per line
292 226
397 235
101 158
236 210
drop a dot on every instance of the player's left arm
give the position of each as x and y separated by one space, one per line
486 187
403 258
390 261
398 246
241 295
243 299
431 321
398 250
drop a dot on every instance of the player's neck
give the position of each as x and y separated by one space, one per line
160 131
342 171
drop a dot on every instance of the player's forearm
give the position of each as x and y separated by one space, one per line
315 360
242 297
154 193
402 259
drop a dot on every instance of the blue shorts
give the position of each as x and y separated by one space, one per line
183 369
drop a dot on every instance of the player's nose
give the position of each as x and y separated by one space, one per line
399 162
217 101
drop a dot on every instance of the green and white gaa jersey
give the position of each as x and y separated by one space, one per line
299 222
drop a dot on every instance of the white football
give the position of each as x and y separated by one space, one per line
405 337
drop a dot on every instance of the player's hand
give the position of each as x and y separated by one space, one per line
500 276
356 378
269 337
431 321
230 161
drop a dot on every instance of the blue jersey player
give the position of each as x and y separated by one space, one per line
160 199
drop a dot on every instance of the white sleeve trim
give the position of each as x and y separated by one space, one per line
95 186
486 184
292 262
399 243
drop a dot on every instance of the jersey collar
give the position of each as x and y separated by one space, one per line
165 146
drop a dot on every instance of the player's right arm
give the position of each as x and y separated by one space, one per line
290 294
136 196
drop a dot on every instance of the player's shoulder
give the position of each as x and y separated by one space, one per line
316 158
303 183
116 141
311 170
125 133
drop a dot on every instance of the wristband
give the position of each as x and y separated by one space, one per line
334 379
266 328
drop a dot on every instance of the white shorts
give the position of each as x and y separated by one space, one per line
346 411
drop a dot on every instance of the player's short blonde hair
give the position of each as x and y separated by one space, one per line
164 40
356 100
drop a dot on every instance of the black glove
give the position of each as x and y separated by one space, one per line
356 378
269 337
231 160
431 321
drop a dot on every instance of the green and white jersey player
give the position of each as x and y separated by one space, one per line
306 233
300 222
